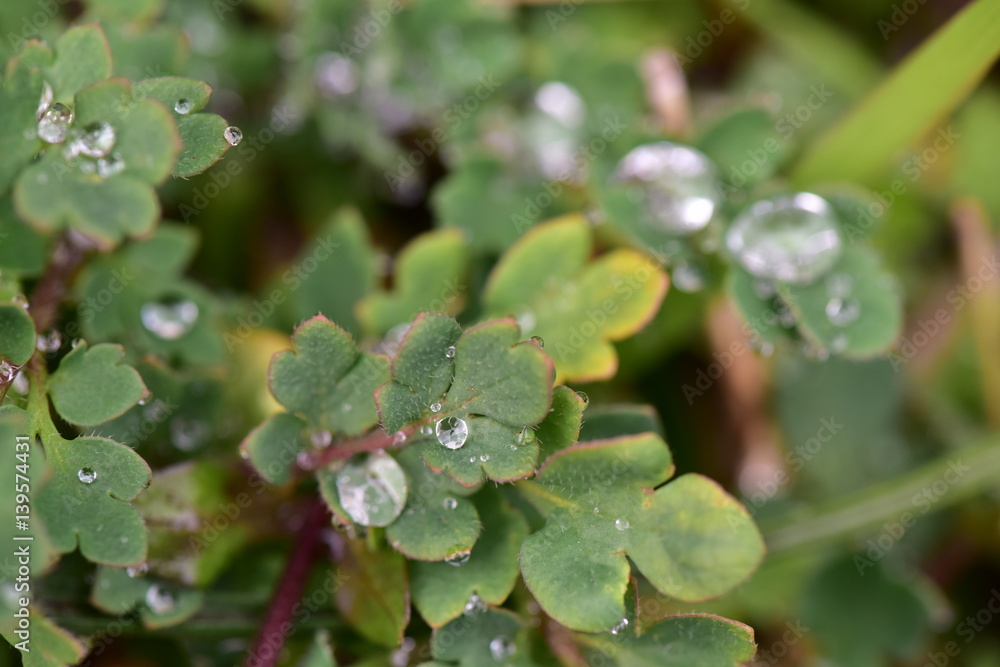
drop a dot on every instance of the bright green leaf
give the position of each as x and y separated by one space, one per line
92 386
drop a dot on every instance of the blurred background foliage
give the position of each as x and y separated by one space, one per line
341 108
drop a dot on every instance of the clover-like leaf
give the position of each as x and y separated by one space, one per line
86 501
690 640
47 645
203 134
438 522
371 490
19 100
441 591
273 446
429 277
577 308
92 386
475 395
561 427
326 380
481 638
689 538
161 604
17 334
82 57
374 595
856 310
104 191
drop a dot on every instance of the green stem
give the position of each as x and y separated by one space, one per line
933 486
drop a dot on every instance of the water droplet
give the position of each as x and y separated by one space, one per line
187 434
109 166
794 239
373 490
20 384
472 459
96 140
475 605
233 135
54 123
45 100
785 315
137 570
842 311
336 75
159 600
169 318
583 396
597 510
321 439
346 407
538 341
435 407
398 437
621 524
460 558
143 401
674 185
87 475
49 343
502 647
183 106
621 626
688 277
452 432
484 457
450 352
450 503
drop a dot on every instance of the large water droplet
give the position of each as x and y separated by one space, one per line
474 606
159 600
87 475
54 123
794 239
842 311
169 318
109 166
502 647
336 75
452 432
372 491
621 524
621 626
674 185
183 106
7 371
233 135
96 140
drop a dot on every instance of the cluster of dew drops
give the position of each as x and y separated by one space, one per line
790 238
95 140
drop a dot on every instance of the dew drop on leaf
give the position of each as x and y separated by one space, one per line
96 140
109 166
183 106
484 457
688 277
475 605
372 490
674 185
169 319
435 407
398 437
450 503
526 321
54 123
49 343
537 340
451 432
502 647
792 238
583 396
842 311
137 570
233 135
45 100
525 437
87 475
158 600
764 289
6 371
426 429
621 524
621 626
450 352
321 439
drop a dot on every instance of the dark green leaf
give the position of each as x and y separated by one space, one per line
92 386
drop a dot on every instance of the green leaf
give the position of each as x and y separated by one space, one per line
117 592
17 334
23 250
104 202
577 308
95 514
82 57
438 522
689 538
493 388
428 277
441 590
122 11
763 325
467 640
326 381
920 93
371 490
50 645
873 292
609 421
561 427
320 653
745 136
92 386
692 640
201 133
19 100
373 597
273 446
